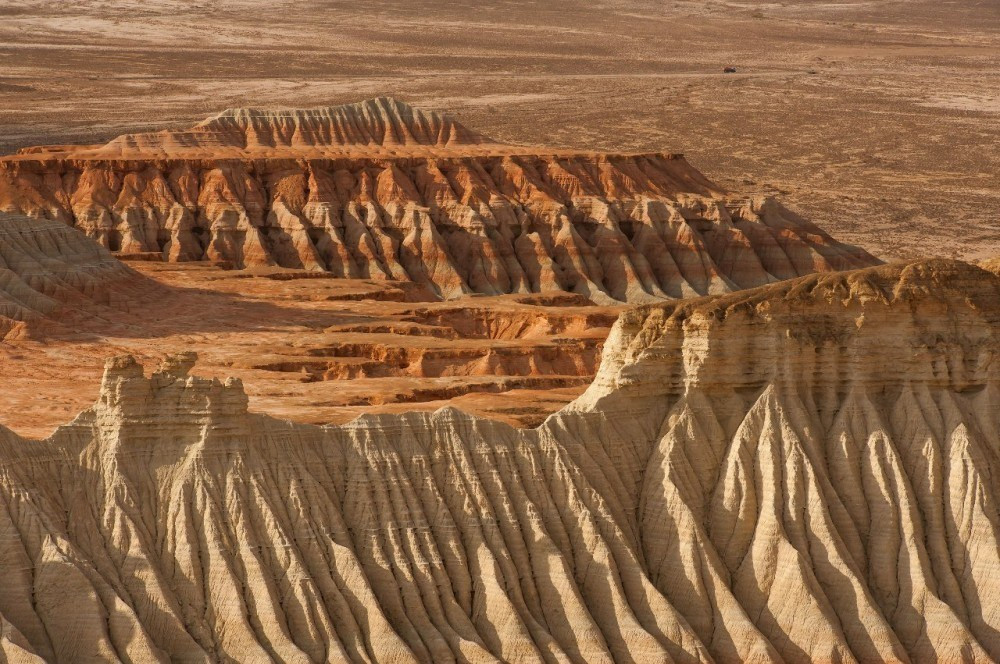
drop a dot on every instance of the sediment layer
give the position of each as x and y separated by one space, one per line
384 191
628 228
51 275
800 472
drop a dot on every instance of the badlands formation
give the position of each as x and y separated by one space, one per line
799 472
782 451
380 190
361 384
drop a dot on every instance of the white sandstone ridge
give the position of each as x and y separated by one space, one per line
379 190
381 125
52 275
832 499
887 324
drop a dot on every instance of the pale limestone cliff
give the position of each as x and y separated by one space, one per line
380 190
801 472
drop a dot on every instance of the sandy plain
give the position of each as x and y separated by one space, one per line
875 119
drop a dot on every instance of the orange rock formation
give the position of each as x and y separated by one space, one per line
380 190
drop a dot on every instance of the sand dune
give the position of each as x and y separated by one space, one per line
799 472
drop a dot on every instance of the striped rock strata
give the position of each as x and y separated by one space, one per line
801 472
384 191
51 275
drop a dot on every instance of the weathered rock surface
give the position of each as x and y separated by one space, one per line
51 274
380 190
376 126
801 472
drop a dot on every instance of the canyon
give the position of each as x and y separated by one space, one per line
480 403
797 472
307 345
373 257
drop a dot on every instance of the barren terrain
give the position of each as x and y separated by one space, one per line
287 381
799 472
317 349
296 235
878 119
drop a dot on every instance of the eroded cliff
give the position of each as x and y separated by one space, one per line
381 126
801 472
380 190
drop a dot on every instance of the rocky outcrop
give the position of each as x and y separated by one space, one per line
800 472
489 225
376 126
381 191
51 274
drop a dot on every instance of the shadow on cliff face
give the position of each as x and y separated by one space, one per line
145 306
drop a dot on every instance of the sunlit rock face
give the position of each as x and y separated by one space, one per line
380 190
799 472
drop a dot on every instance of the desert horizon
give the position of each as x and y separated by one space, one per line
611 331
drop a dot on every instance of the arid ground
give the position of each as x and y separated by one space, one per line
878 120
799 464
316 349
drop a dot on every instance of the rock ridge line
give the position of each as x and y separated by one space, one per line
801 472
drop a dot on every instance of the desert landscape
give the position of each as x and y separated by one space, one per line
526 332
873 118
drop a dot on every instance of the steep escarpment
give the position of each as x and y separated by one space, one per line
886 313
626 228
825 461
800 472
380 190
51 274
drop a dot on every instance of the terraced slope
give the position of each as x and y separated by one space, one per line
381 190
801 472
